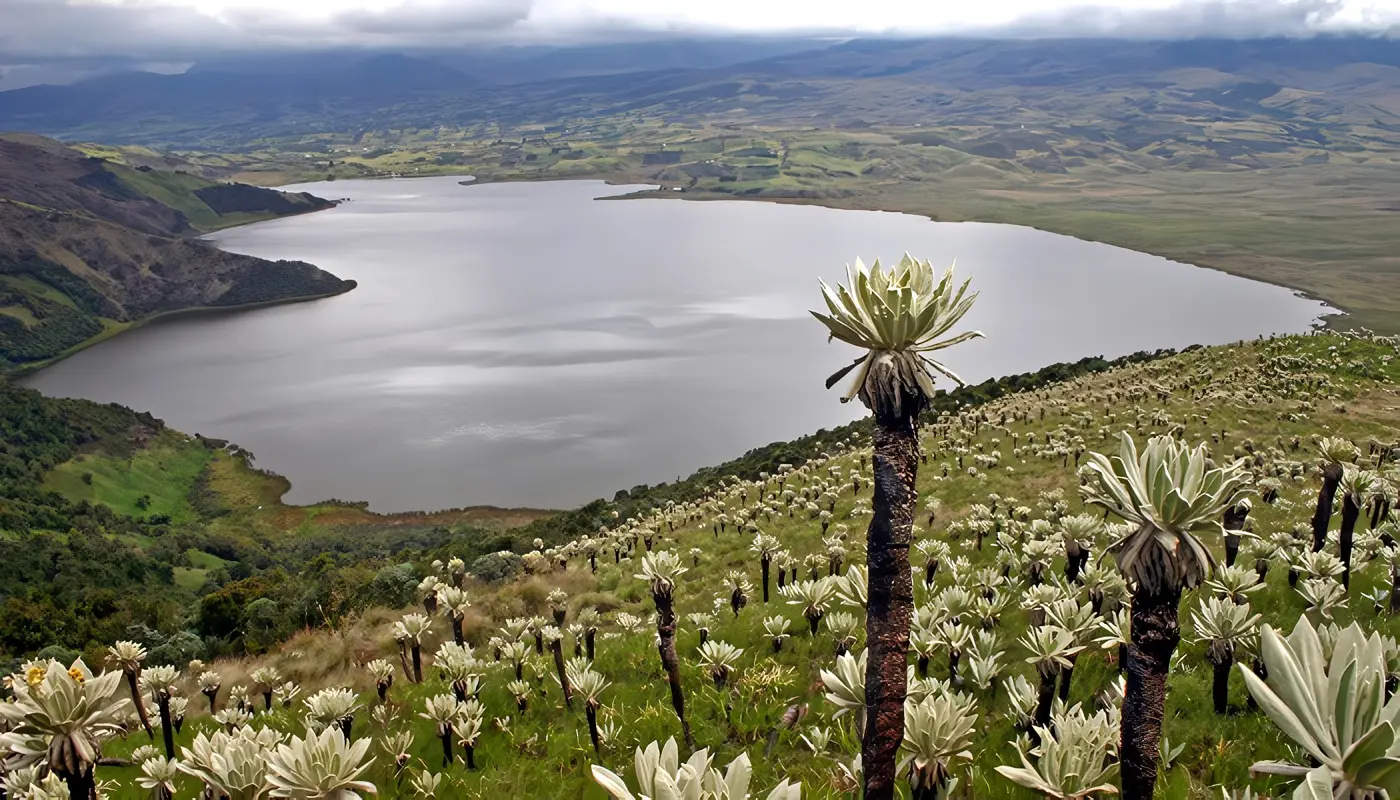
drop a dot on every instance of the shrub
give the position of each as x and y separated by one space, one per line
499 566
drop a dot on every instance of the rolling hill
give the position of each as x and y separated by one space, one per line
89 246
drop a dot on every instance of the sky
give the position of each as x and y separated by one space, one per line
178 30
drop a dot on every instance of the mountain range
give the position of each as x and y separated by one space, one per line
232 101
89 246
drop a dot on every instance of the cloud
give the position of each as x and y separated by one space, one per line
174 30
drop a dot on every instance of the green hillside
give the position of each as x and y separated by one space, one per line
996 486
90 247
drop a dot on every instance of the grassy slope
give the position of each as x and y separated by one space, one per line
546 753
193 483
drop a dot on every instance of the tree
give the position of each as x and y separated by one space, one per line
1334 451
660 570
1169 492
897 317
1226 629
1357 487
127 656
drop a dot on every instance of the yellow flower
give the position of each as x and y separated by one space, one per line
76 674
34 675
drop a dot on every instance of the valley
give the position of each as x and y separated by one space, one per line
1168 569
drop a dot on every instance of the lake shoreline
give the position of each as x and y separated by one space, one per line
453 377
1334 320
118 328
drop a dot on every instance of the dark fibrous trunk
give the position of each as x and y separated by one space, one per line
592 712
763 565
1045 701
81 785
417 662
589 637
167 730
446 747
1331 479
891 595
1350 513
1220 688
1066 678
557 646
1155 635
666 646
136 698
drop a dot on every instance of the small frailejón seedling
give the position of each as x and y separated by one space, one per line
897 316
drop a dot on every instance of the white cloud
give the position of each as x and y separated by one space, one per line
169 29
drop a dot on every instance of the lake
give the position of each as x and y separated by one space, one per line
524 345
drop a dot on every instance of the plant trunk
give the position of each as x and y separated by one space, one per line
167 732
446 748
457 630
929 790
1331 479
346 725
1155 635
140 703
1045 701
81 785
813 622
470 751
593 728
1395 591
557 646
1350 513
923 665
1234 521
666 647
1220 689
891 593
267 700
589 637
417 662
1066 676
212 695
763 565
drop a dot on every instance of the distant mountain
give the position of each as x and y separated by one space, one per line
518 65
88 245
931 82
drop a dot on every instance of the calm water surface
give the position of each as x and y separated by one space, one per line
521 344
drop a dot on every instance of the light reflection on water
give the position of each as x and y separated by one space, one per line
519 344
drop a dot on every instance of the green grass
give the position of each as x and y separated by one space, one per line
162 473
20 313
1250 395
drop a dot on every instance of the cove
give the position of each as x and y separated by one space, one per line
523 345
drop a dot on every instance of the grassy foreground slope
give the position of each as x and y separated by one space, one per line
1005 469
